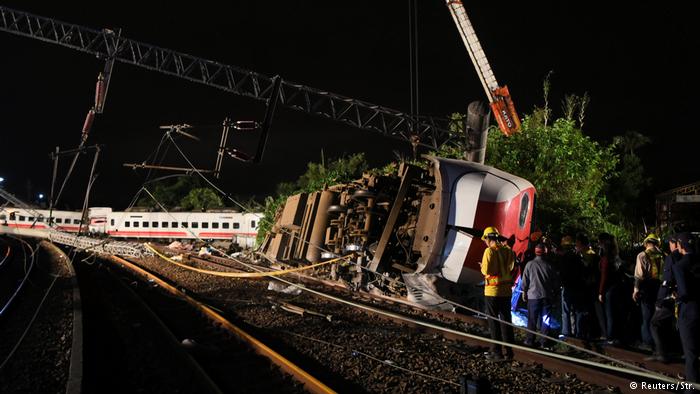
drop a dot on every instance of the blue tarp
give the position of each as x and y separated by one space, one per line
519 315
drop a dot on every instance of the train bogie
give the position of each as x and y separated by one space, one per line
413 221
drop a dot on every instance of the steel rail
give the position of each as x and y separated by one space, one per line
523 353
590 371
310 383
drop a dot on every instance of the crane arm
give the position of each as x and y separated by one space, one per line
430 132
499 97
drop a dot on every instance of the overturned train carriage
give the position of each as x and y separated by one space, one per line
419 224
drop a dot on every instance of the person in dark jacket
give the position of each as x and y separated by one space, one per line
539 287
686 272
572 289
608 286
589 259
662 323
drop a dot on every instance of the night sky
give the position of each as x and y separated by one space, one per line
634 62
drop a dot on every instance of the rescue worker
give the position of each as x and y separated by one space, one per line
497 266
647 280
687 276
589 260
571 274
662 323
540 283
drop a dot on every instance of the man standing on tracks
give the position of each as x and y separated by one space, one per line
572 289
540 284
497 266
647 280
662 323
687 274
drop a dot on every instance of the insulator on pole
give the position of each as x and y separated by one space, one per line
246 125
100 90
88 124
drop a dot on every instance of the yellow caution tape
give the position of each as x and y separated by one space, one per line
241 274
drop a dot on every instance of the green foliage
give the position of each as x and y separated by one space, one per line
169 192
202 198
630 182
317 177
582 185
569 170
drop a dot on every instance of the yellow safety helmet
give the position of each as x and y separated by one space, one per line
567 241
652 238
490 232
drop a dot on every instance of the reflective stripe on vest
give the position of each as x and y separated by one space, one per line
493 280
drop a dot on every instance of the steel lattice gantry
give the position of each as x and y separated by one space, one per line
426 131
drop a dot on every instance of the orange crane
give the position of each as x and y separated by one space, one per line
499 97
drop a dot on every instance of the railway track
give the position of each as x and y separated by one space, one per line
637 358
225 357
616 379
39 326
371 351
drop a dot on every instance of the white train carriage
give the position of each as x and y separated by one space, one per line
35 222
240 228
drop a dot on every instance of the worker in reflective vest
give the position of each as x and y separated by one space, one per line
497 266
647 280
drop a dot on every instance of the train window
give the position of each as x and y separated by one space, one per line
205 225
76 221
31 218
3 217
136 224
224 225
252 224
111 222
41 219
145 224
21 218
58 220
524 206
236 225
173 224
127 224
164 224
154 224
215 225
183 224
195 225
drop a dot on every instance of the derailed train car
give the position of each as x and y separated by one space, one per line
419 227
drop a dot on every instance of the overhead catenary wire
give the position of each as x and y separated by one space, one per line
603 356
21 285
194 169
627 369
496 318
630 368
34 316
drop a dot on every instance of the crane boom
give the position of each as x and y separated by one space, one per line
499 97
430 132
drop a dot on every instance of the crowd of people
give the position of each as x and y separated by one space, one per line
651 301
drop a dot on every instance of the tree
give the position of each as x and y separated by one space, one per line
630 182
201 199
169 192
569 170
